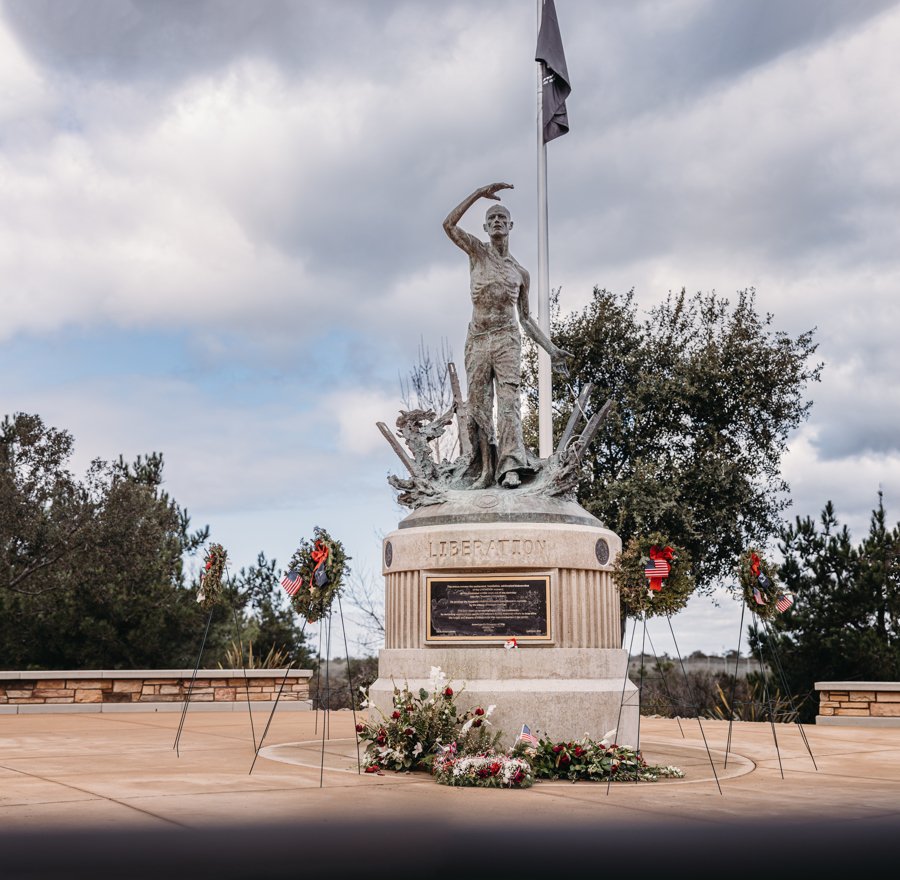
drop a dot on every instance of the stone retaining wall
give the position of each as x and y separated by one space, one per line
872 703
103 689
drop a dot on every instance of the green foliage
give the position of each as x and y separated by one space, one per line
845 621
92 570
706 395
591 760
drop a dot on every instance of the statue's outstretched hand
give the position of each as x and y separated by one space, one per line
558 360
490 191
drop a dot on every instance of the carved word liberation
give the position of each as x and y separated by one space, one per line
491 549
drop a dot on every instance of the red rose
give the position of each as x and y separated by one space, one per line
479 711
395 714
476 722
564 758
372 768
557 748
409 731
448 692
495 768
209 565
578 751
519 776
360 728
409 708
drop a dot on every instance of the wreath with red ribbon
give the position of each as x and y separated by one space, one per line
321 565
210 591
653 576
760 588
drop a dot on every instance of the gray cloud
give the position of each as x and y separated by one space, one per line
164 41
268 179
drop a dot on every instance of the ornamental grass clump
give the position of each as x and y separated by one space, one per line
421 725
592 761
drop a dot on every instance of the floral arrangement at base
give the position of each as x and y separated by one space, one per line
653 576
421 725
211 577
590 760
322 566
488 770
759 586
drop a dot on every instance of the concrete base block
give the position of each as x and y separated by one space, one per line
862 721
564 693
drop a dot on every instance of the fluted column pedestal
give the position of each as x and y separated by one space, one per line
457 591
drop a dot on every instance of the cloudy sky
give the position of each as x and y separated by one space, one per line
220 224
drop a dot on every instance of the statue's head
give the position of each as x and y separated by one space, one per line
497 221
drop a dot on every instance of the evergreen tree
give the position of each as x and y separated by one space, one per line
845 621
92 571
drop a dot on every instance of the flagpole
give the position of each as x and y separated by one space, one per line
545 421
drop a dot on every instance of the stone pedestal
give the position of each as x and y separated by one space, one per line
566 678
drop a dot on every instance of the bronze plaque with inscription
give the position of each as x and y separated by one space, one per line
488 608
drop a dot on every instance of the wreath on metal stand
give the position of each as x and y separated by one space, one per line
653 576
210 591
316 573
760 589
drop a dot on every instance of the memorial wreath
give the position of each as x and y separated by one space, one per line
653 576
321 564
759 586
210 591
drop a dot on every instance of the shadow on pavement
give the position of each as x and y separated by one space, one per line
403 849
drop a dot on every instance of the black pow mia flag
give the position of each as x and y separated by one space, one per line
556 77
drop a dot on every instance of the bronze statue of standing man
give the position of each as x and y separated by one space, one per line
493 355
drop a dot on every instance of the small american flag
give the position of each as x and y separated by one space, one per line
526 736
759 597
655 571
784 601
292 582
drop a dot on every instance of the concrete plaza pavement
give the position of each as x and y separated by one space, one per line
119 771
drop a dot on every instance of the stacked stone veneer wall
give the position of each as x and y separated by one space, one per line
104 690
874 703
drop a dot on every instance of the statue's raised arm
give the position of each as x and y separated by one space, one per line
460 237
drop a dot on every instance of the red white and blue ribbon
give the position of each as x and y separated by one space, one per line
658 568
